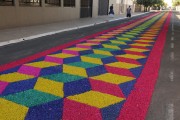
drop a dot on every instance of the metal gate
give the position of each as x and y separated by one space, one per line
103 7
86 8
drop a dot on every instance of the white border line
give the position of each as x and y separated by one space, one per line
171 76
172 45
59 31
172 56
172 38
170 112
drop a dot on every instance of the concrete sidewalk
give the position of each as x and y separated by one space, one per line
14 35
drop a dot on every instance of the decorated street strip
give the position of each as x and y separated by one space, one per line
106 76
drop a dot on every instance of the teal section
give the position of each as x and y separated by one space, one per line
96 56
83 64
107 49
63 77
31 98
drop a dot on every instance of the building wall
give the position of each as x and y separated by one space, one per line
178 8
126 4
120 6
13 16
103 7
95 8
139 8
116 5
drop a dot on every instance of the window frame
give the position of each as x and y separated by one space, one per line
72 3
51 4
31 3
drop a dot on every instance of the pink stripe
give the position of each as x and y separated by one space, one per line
119 71
80 111
3 86
83 46
136 106
54 59
70 52
60 47
140 47
105 87
29 70
127 60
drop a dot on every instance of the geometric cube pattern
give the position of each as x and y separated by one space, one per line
90 80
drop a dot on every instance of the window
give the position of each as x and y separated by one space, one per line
69 3
30 2
53 2
6 3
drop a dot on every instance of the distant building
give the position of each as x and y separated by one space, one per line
15 13
139 8
178 8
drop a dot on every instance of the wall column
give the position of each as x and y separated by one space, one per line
42 3
16 3
95 7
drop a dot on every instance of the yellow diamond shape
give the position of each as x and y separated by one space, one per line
111 46
48 86
12 111
77 49
42 64
137 50
102 52
88 44
132 56
123 65
96 99
113 78
138 44
105 36
123 38
74 70
147 37
144 41
91 60
118 42
62 55
14 77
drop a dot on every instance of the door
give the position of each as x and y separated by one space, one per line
103 7
86 8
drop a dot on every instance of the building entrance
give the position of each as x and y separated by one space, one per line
103 7
86 8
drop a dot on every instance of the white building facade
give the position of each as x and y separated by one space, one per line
14 13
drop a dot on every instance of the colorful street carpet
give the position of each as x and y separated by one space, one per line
105 76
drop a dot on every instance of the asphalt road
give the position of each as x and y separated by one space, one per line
165 103
20 50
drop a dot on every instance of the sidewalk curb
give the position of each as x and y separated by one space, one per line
59 31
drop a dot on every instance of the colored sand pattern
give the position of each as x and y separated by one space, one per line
89 81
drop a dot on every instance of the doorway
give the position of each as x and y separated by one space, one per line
103 7
86 8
